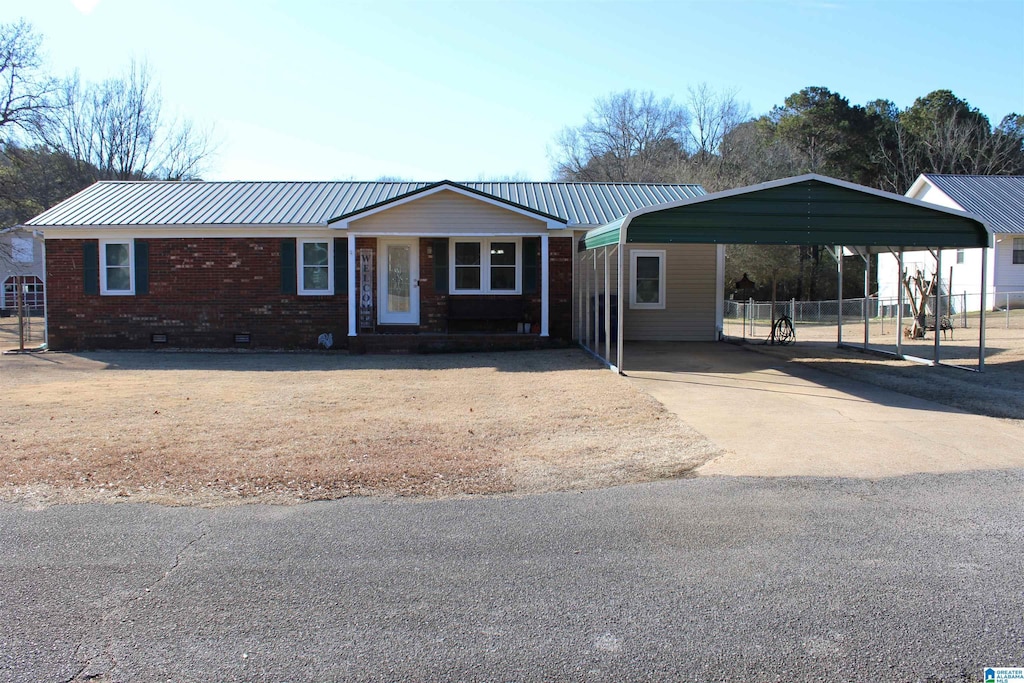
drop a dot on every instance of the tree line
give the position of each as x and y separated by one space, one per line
711 138
59 134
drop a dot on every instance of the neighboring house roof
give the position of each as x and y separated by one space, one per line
316 203
997 199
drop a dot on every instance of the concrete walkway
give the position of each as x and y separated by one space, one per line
777 419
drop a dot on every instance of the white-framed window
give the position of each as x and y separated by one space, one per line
22 250
316 267
486 265
1018 249
647 278
117 267
960 255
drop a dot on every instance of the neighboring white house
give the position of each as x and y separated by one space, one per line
21 263
997 200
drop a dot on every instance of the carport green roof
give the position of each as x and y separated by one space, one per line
805 210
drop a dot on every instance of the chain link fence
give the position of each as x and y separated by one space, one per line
30 328
752 319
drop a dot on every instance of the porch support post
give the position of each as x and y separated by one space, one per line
899 306
585 310
353 293
545 286
938 300
984 303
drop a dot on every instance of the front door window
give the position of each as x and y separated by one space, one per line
399 290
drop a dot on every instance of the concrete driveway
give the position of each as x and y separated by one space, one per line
778 419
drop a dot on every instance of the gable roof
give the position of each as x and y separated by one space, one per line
997 199
315 203
809 209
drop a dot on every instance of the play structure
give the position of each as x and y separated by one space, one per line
923 300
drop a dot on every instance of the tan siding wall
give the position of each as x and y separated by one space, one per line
448 213
689 313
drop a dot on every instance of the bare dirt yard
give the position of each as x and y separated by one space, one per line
215 428
997 392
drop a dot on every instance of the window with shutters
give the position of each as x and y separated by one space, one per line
117 267
486 266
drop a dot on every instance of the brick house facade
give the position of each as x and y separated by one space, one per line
281 265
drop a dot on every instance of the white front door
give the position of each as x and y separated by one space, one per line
398 286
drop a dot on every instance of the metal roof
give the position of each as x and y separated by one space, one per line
808 210
998 199
315 203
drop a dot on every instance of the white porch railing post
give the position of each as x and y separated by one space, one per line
545 285
353 293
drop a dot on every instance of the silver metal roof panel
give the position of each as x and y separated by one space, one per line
315 203
998 199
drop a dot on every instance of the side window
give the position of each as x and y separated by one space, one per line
316 270
116 267
959 256
1018 249
647 279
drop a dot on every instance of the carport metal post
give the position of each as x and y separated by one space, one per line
938 299
597 310
867 293
981 320
607 309
621 309
899 305
839 295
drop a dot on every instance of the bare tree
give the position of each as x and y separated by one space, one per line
24 86
714 114
629 136
118 126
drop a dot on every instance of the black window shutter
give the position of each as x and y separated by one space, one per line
288 283
531 263
141 267
341 265
91 267
441 266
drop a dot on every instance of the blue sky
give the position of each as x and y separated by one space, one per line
477 90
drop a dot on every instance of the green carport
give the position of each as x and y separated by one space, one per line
807 210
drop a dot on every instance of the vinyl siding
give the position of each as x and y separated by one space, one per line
690 307
448 213
1009 275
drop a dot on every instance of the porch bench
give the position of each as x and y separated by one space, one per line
491 310
485 308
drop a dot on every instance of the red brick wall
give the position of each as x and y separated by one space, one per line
201 292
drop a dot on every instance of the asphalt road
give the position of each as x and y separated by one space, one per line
913 578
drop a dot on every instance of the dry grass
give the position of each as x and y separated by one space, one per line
209 428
